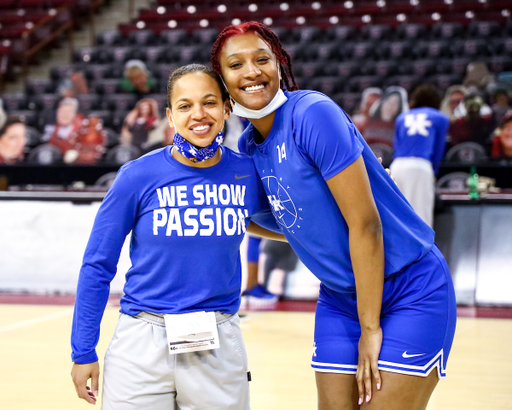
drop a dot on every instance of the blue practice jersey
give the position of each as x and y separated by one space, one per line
312 140
187 225
421 132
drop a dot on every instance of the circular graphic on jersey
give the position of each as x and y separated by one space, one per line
281 204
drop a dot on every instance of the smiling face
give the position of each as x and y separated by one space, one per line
250 70
66 114
12 142
138 78
197 111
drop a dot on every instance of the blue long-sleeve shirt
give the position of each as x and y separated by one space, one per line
187 225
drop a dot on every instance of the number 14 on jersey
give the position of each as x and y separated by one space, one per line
281 151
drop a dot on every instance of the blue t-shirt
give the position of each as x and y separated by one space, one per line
312 140
421 132
187 225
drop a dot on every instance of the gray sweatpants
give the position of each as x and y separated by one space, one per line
139 373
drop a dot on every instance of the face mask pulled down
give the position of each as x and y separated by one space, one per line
278 100
194 154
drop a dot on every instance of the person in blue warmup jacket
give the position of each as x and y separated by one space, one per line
419 144
187 207
386 313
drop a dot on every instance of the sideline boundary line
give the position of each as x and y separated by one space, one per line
35 321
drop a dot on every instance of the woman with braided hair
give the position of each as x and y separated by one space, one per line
386 313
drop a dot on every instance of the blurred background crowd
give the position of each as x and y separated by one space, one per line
108 105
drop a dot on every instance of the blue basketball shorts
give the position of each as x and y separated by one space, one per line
418 320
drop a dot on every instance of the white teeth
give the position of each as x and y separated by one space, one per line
254 87
201 128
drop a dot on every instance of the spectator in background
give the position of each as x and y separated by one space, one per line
368 98
419 144
392 103
478 75
137 79
485 109
139 122
475 126
74 85
80 140
502 141
501 105
381 124
453 97
12 142
68 121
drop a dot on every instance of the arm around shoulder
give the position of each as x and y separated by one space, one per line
255 229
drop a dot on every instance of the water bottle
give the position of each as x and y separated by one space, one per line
473 184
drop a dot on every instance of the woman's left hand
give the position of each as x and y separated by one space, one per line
370 344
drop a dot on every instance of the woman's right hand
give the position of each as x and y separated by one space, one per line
81 373
370 344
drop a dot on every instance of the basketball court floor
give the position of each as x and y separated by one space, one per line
35 359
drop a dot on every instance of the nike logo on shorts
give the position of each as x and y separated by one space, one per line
241 176
405 355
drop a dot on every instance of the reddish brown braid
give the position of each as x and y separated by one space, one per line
285 62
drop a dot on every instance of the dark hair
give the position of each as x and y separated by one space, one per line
11 120
426 95
500 91
190 69
285 62
506 119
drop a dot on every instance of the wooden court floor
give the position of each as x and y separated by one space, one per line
35 361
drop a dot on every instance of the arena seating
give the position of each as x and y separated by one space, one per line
338 48
28 26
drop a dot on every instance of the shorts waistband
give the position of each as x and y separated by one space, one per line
158 318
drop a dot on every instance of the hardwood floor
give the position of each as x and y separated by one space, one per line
35 361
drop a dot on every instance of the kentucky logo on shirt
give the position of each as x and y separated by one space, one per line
280 201
417 124
210 209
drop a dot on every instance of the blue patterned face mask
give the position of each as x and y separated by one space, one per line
186 149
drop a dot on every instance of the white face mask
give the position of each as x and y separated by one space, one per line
278 100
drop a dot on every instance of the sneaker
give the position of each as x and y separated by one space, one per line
258 298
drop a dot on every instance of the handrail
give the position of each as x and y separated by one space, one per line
29 52
54 32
